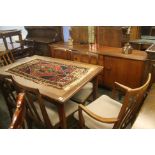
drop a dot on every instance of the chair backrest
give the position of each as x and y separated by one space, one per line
31 95
7 90
6 58
132 103
19 114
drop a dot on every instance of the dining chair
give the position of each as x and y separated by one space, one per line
25 49
19 48
41 111
105 112
19 113
87 90
83 94
8 92
6 58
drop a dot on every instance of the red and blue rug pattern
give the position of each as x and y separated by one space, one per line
50 73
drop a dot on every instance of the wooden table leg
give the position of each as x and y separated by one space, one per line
62 117
21 40
95 88
5 43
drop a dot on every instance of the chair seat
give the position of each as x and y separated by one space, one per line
52 111
104 106
83 94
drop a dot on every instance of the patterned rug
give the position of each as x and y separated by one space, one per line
50 73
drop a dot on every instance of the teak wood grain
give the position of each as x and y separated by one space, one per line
103 50
128 69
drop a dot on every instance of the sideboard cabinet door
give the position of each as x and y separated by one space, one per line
60 53
125 71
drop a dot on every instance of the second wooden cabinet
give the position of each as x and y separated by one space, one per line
125 71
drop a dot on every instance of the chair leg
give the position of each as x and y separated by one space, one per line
81 119
61 111
10 111
10 108
29 122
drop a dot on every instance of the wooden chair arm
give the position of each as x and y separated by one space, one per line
24 42
21 42
18 41
119 87
96 117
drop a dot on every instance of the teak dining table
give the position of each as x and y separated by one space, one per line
57 95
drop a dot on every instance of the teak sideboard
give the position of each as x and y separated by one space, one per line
127 69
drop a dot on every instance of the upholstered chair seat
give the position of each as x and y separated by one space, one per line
104 106
84 93
52 111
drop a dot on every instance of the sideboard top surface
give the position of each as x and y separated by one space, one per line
103 50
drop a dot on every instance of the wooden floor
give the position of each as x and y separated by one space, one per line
146 117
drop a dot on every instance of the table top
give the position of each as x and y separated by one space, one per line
40 40
8 33
103 50
60 95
